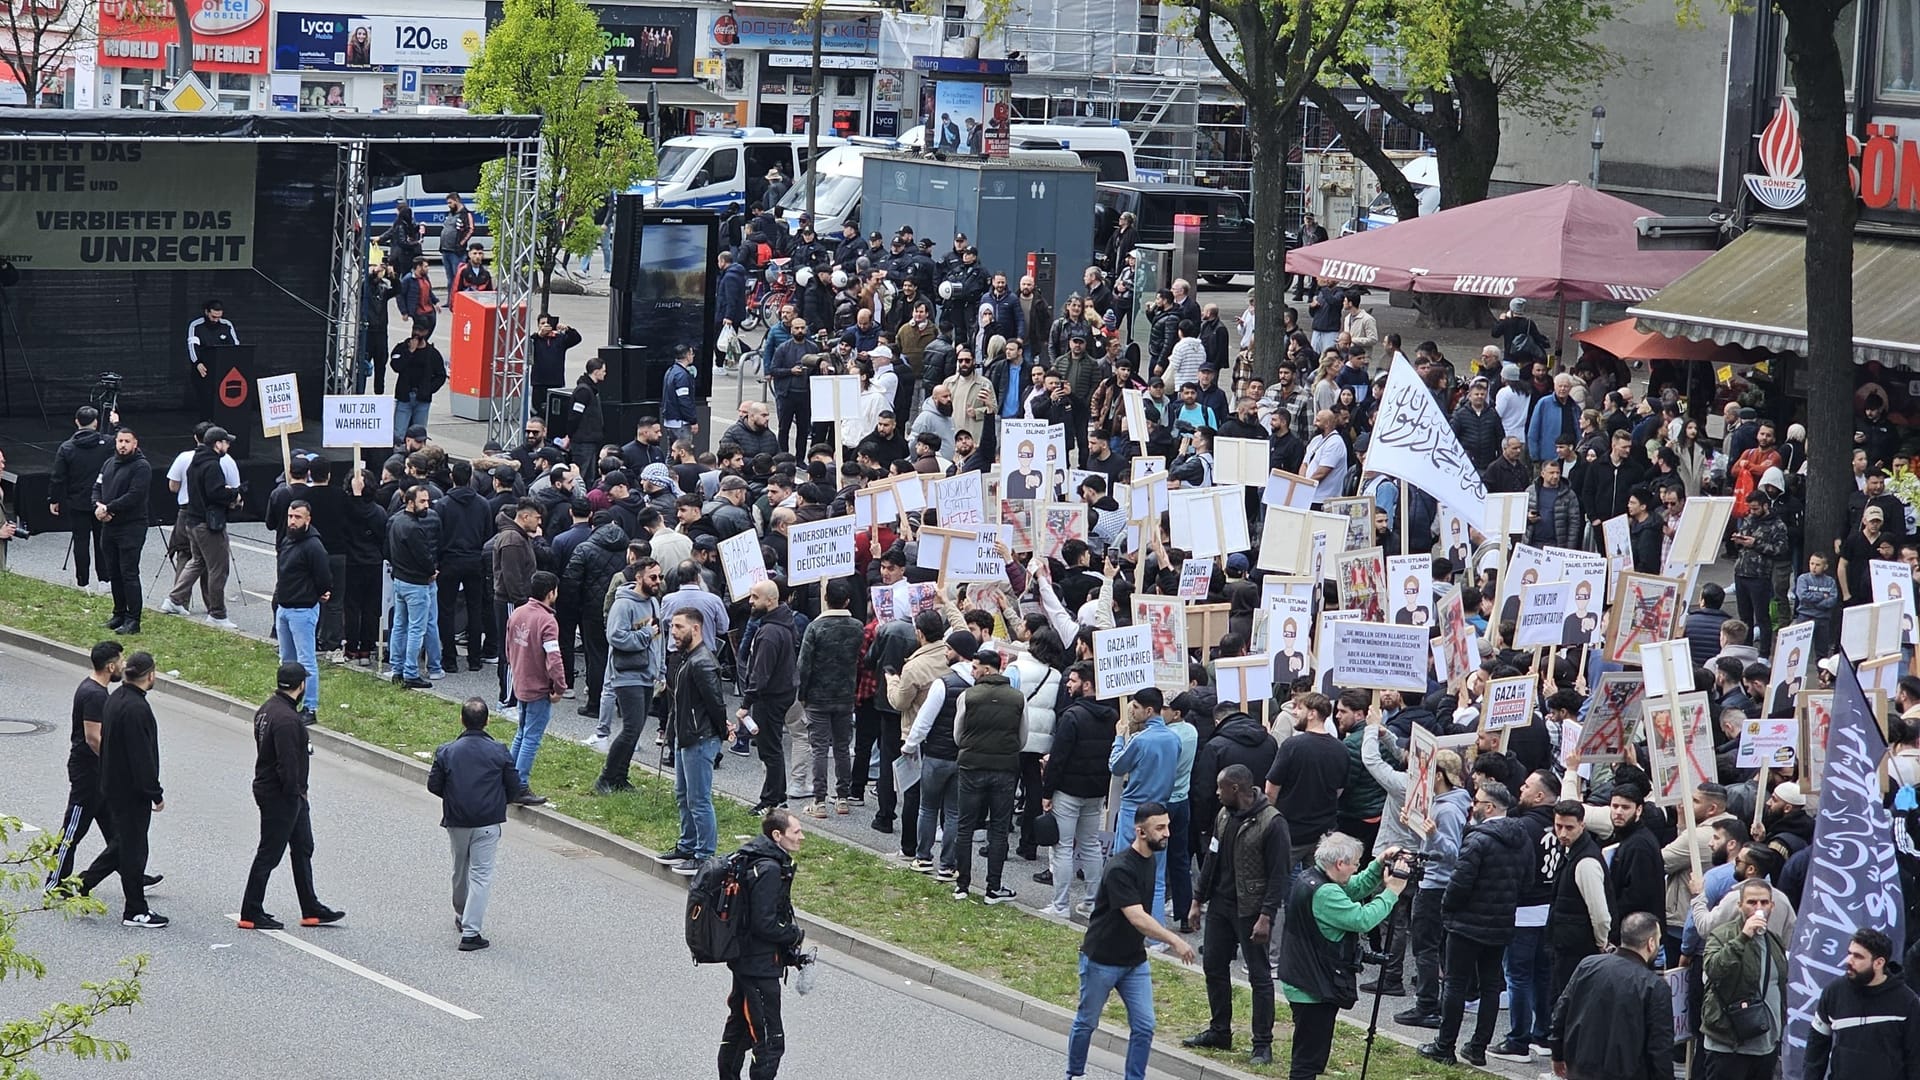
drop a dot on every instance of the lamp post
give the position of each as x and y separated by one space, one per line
1593 181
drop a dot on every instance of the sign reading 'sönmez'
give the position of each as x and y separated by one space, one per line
126 205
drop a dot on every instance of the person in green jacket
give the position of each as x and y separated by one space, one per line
1745 963
1332 903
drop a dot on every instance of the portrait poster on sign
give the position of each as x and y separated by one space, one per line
1543 610
820 550
744 562
1195 577
1122 661
1363 582
1458 640
960 500
1615 706
1018 518
1023 461
1792 661
1509 703
904 599
1059 523
1680 734
1240 462
1323 648
1289 621
1526 566
1893 582
1455 542
1410 589
1380 656
1814 713
1644 607
1056 462
1288 489
1275 589
1166 618
1584 619
1421 749
1358 510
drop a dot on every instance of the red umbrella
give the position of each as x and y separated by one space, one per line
1566 242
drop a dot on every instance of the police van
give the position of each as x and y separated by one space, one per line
715 167
1103 146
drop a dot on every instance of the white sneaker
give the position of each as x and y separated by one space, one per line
598 742
224 624
1056 911
568 694
169 607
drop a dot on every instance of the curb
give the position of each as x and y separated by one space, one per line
890 958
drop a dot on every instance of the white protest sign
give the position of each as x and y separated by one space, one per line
280 405
1509 703
1245 679
820 550
1379 656
960 499
1792 656
1195 574
1667 667
1240 461
834 397
1870 631
1135 403
1543 610
875 505
909 493
1288 490
963 554
356 420
1893 581
1410 589
745 564
1122 661
1772 741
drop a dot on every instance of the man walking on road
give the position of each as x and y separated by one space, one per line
699 724
280 790
1114 954
769 944
539 678
84 805
475 779
304 582
129 791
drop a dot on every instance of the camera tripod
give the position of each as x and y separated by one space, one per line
1379 982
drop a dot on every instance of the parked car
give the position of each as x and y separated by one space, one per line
1226 232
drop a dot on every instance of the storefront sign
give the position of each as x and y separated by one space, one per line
827 63
1884 172
228 35
126 205
307 41
640 42
766 32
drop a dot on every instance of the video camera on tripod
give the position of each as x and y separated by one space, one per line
105 395
1409 865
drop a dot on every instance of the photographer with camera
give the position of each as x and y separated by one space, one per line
769 944
1333 902
1242 882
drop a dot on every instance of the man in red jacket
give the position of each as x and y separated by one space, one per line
539 677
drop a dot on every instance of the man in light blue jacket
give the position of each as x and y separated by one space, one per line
636 664
1442 830
1146 754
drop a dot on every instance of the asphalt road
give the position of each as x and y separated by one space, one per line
587 976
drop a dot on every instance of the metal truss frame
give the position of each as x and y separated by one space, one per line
514 275
352 186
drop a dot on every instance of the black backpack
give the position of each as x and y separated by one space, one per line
717 909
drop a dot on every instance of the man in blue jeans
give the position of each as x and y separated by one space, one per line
931 741
699 725
1529 964
413 551
1147 753
303 582
1113 955
532 646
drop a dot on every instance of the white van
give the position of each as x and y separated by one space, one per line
1107 148
427 194
842 176
716 167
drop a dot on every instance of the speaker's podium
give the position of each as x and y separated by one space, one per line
230 379
470 379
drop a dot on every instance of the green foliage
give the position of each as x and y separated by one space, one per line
539 60
63 1027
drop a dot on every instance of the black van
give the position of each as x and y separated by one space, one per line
1226 232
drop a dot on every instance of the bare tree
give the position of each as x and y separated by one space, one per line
38 39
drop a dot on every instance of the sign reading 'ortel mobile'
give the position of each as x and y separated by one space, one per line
1884 171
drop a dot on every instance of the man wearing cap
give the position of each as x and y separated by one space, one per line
130 790
1873 492
280 791
729 512
210 496
1520 340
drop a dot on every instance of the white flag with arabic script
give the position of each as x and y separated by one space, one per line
1413 441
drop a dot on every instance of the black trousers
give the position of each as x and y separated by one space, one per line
986 800
1473 969
126 853
84 809
632 703
866 746
753 1022
120 564
569 621
86 531
1564 961
1427 940
586 456
1221 936
795 413
1393 972
1312 1038
769 714
284 824
1718 1066
362 596
460 585
593 647
333 620
1030 803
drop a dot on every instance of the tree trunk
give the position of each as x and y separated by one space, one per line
1466 158
1362 144
1271 129
183 21
1821 90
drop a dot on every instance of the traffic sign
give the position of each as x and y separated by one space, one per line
189 94
408 92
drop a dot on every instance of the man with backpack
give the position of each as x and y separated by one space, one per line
748 903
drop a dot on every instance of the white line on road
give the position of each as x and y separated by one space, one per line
250 545
366 973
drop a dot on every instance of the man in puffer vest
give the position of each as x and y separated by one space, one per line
990 727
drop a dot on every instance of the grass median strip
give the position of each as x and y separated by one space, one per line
838 882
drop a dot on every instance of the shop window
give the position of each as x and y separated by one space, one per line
848 86
736 75
1846 31
1899 34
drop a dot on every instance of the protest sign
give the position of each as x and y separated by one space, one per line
961 555
1379 656
1457 651
1166 620
1587 573
1288 489
960 499
1525 566
1680 736
834 397
1323 649
903 600
1509 703
820 550
1814 717
1869 631
1195 576
1410 589
1542 615
1363 582
1893 581
1059 523
875 505
1242 462
1245 679
280 405
1506 516
1289 620
1702 528
1023 450
1147 496
1135 404
1455 542
1357 512
744 563
1772 741
1792 656
1616 704
1644 608
356 420
1122 661
1667 667
1017 517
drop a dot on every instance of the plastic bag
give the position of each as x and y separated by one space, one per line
809 972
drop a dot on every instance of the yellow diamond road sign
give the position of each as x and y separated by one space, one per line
189 94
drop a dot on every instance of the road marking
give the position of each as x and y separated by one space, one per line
249 545
364 972
268 597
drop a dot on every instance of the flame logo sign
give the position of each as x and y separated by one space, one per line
1781 188
233 389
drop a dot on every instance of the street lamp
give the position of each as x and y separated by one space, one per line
1593 181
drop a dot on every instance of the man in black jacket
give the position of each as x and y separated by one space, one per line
769 944
303 582
989 727
1615 1022
1867 1021
699 724
70 490
588 419
413 551
1494 861
120 505
1242 883
466 524
769 690
1073 786
130 790
475 778
826 684
280 790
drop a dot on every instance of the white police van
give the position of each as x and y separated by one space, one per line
715 167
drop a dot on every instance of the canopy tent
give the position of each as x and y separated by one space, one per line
1624 340
1566 242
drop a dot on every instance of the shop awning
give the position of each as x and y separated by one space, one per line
1753 292
679 95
